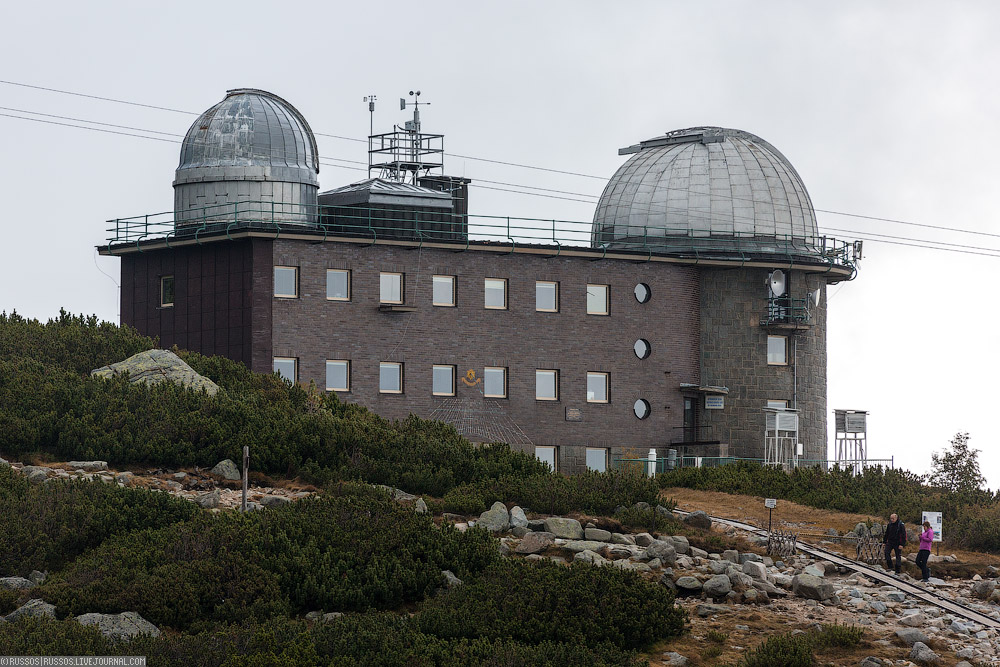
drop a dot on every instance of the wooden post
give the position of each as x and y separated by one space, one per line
246 470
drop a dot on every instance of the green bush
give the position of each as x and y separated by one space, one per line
790 650
650 520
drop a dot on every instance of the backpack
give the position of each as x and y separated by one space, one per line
902 534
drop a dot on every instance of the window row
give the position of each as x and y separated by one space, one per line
443 379
443 290
596 457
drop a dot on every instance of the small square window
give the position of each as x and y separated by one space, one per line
777 350
287 368
286 282
546 296
496 293
443 291
777 405
546 455
338 284
597 459
338 375
597 387
390 287
443 381
390 377
167 292
495 382
597 299
546 385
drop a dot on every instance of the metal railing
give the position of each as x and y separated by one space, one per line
786 310
663 464
377 223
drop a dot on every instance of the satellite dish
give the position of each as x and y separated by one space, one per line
815 296
776 281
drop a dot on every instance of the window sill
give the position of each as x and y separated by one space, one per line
395 308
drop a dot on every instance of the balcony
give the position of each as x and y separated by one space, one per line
784 312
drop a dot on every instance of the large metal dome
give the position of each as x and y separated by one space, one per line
252 148
706 188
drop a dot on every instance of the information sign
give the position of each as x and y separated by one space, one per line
770 503
935 520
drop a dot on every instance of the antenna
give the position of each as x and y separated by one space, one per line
814 296
776 282
371 113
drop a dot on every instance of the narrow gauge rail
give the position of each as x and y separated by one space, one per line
921 594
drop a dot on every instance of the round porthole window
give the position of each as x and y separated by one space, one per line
641 408
642 293
642 348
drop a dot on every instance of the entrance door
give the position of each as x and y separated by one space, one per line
690 419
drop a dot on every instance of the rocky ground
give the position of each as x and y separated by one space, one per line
741 595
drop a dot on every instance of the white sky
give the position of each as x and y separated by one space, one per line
886 109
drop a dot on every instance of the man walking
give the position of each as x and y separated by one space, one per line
894 538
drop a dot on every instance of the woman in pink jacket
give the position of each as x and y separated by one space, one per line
926 538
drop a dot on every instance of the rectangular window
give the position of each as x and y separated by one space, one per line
778 405
443 381
390 377
443 291
287 368
286 282
597 299
167 292
338 284
777 350
496 293
390 287
597 387
338 375
546 385
546 455
495 382
546 296
597 459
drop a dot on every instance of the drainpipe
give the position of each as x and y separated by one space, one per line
795 372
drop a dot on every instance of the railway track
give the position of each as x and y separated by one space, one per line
924 595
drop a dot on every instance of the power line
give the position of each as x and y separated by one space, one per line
97 97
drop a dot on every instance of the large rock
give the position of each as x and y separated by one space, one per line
35 473
755 570
812 588
124 626
911 636
816 570
688 586
913 620
597 534
535 543
717 587
923 655
643 539
227 470
209 500
496 519
588 556
88 466
157 366
663 550
36 608
568 529
861 530
517 517
274 501
681 544
450 580
577 546
16 583
698 519
984 589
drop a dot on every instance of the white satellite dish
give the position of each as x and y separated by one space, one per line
815 296
776 282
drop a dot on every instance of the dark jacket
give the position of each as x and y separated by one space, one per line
895 534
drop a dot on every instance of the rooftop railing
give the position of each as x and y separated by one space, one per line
436 226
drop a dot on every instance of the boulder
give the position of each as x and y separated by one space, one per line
870 661
984 589
125 478
663 550
913 620
706 610
770 589
688 586
588 556
519 531
895 596
227 470
674 659
664 511
331 615
88 466
923 655
450 580
698 519
732 555
641 506
755 570
208 500
496 519
274 501
739 581
577 546
861 529
749 556
812 588
681 544
569 529
36 608
696 552
536 524
35 473
123 626
534 543
643 539
16 583
911 636
717 586
597 535
517 517
622 538
420 507
816 570
37 577
156 366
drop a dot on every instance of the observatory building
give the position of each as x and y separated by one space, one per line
689 316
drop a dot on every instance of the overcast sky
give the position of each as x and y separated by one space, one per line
887 110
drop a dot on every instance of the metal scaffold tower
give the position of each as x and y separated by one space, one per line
852 439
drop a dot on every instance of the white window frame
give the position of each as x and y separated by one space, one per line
346 272
774 404
450 368
402 286
555 384
440 278
604 453
347 374
555 455
784 361
173 287
607 299
295 273
607 387
555 286
295 367
486 371
486 291
399 374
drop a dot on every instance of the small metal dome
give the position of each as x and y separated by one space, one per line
708 188
252 148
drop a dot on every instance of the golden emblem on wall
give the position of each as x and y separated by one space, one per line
470 378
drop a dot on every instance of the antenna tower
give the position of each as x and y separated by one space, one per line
406 153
